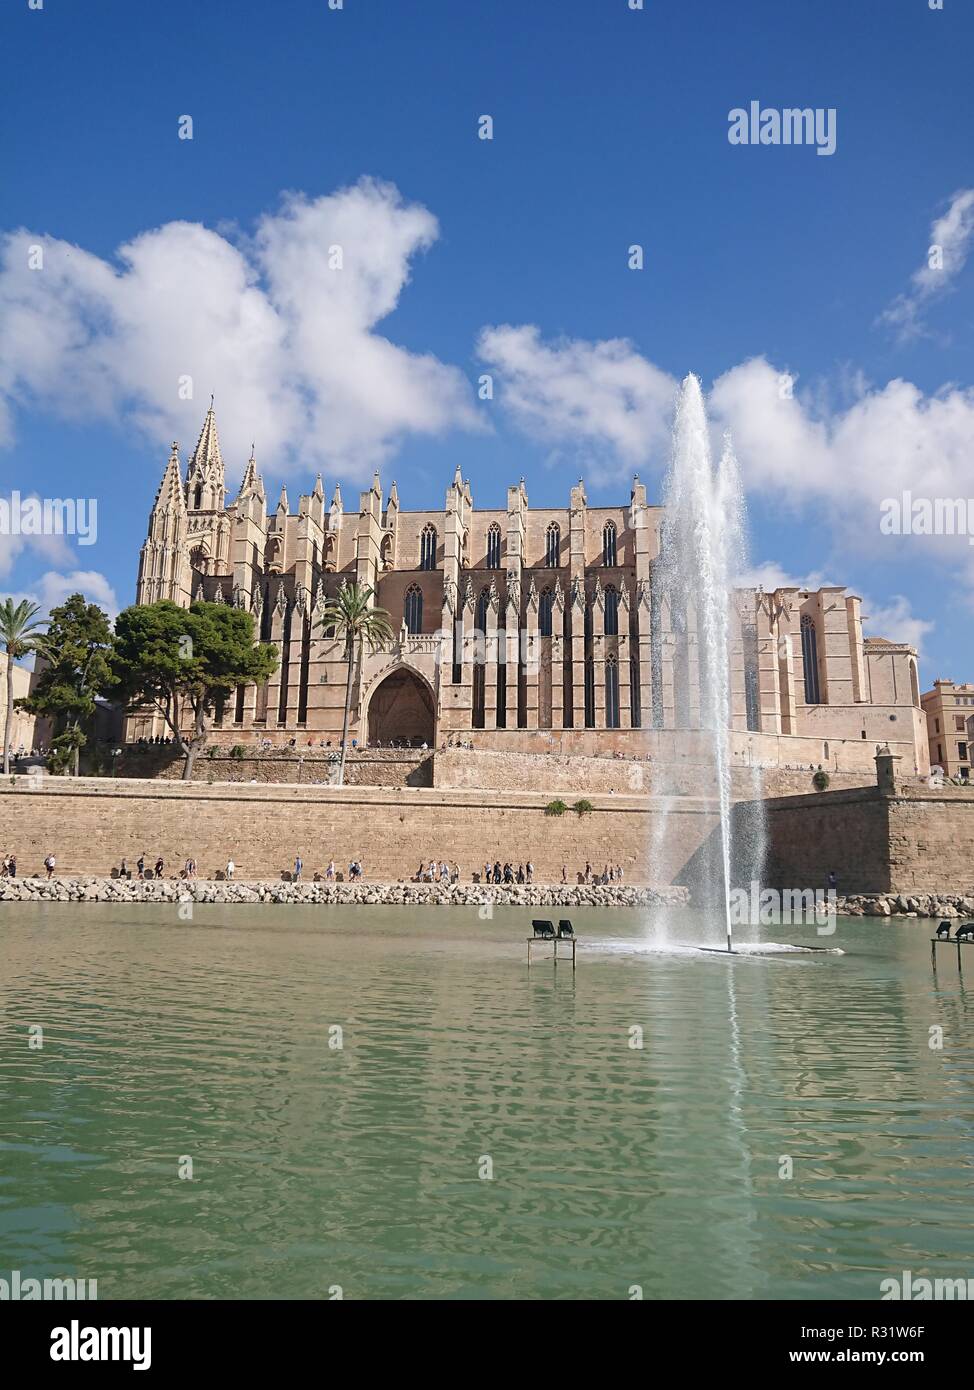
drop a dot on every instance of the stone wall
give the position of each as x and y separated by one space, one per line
378 767
931 840
89 824
560 773
919 840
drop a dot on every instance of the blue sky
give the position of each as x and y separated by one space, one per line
506 256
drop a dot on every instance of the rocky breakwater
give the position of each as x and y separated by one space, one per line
168 890
940 905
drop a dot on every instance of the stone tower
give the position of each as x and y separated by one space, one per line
164 569
209 524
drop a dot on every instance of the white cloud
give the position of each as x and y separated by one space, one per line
769 575
896 621
891 439
286 342
53 588
950 243
602 400
794 447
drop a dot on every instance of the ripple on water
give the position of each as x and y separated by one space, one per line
617 1156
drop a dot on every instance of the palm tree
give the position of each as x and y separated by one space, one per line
19 635
350 615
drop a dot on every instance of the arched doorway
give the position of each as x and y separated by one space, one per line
401 710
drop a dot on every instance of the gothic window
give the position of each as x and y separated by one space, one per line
198 558
545 608
427 547
481 614
611 693
752 702
552 554
494 547
611 599
609 545
198 498
413 609
589 693
810 660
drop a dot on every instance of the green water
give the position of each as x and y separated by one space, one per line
360 1167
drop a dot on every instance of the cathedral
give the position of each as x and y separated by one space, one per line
524 629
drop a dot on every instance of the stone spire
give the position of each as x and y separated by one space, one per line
248 482
205 490
170 494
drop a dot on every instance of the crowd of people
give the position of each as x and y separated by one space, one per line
437 873
428 872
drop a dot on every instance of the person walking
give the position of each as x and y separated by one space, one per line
140 865
330 871
298 866
231 868
159 867
564 873
49 864
530 872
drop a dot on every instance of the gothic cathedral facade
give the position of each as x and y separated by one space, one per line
526 629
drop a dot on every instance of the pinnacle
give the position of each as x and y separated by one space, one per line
207 452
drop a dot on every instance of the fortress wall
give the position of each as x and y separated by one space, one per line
921 840
91 823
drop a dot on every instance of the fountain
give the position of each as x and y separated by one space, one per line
702 551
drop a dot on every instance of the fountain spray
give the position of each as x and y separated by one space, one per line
702 549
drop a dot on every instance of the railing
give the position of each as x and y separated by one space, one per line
429 643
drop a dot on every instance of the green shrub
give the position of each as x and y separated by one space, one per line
555 808
583 807
237 751
821 780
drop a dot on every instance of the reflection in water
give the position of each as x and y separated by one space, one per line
358 1165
